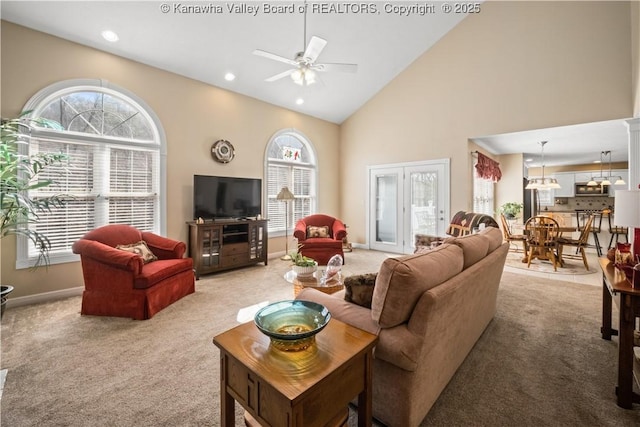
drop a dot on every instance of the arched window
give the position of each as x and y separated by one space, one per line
115 150
290 162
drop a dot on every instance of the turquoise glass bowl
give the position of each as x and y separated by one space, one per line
292 325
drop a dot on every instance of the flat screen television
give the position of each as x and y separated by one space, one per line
222 197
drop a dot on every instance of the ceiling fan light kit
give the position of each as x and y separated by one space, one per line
304 63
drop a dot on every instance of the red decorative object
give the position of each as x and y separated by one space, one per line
627 214
488 168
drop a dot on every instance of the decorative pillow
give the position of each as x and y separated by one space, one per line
141 249
317 231
359 289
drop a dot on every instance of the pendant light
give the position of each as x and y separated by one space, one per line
602 179
542 183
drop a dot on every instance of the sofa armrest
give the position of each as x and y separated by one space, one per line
400 347
396 345
346 312
300 232
163 247
339 230
107 255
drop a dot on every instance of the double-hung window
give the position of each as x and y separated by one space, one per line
291 163
112 172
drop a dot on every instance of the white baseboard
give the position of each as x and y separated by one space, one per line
44 297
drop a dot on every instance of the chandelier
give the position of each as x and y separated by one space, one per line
605 180
542 183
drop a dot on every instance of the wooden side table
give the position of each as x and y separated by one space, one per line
615 285
309 388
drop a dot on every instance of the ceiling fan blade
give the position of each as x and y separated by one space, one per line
316 44
342 68
279 76
275 57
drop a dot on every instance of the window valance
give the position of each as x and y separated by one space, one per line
488 168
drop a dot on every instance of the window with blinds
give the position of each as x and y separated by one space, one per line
290 163
483 198
111 174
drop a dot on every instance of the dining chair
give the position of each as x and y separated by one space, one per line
542 239
580 243
513 238
596 225
615 230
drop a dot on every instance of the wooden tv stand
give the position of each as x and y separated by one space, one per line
226 244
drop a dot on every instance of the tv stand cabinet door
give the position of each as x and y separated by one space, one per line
205 247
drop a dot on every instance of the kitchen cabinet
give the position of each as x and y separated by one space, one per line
624 174
584 177
567 182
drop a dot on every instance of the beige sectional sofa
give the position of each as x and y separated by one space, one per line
428 309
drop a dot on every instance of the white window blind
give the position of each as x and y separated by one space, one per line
483 195
290 163
111 174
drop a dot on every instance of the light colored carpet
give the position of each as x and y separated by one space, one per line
541 361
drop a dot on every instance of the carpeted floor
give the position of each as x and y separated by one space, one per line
572 264
541 361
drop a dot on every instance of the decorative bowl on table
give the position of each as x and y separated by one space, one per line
292 325
305 270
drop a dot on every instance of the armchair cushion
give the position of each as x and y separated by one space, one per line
157 271
141 249
313 231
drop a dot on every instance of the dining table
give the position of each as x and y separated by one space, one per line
561 230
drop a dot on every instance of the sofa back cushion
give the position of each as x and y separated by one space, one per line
477 246
401 281
495 237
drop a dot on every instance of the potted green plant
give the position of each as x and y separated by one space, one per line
19 174
511 209
303 265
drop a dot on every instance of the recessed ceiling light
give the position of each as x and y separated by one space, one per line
299 101
528 160
110 36
229 77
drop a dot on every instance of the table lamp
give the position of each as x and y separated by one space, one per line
627 214
285 195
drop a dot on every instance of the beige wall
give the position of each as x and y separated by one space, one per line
635 55
193 114
515 66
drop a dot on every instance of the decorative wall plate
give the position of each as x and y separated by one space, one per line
222 151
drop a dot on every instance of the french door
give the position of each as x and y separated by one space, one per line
406 199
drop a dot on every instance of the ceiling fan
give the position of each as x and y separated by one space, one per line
304 63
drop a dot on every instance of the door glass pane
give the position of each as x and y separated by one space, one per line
386 208
424 203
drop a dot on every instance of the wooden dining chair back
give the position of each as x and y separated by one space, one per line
580 243
542 239
513 238
615 230
596 225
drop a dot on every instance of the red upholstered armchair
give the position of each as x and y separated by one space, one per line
119 283
320 237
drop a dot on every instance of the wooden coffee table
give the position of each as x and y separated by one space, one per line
309 388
